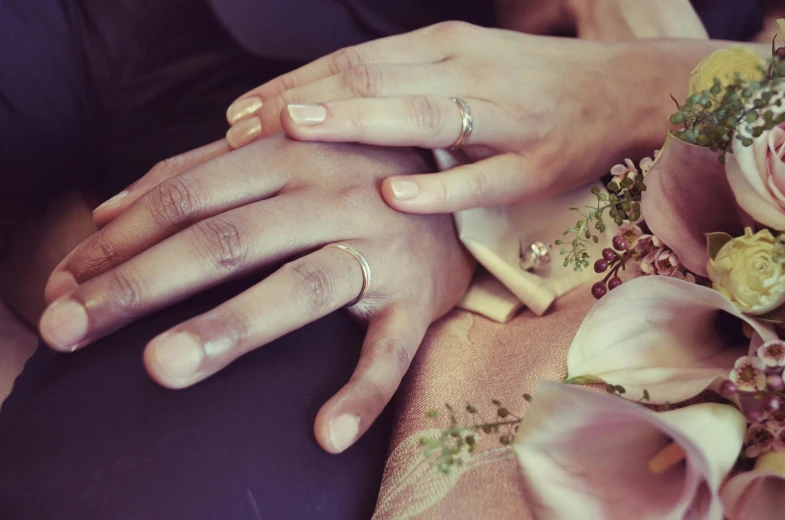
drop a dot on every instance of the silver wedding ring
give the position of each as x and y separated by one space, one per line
366 269
467 124
534 256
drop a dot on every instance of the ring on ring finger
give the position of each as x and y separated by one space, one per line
364 265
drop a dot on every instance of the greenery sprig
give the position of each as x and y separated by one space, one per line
622 203
452 444
741 110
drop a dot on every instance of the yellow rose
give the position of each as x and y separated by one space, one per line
749 270
724 64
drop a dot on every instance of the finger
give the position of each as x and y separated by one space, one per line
392 339
414 47
210 252
204 191
422 121
502 179
300 292
163 170
366 81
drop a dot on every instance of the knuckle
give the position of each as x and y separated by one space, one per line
427 114
124 291
476 184
314 287
103 255
453 30
172 202
364 81
168 167
397 351
223 242
345 59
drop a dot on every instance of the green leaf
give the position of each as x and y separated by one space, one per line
715 241
583 380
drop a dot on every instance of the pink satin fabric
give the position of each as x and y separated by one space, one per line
468 358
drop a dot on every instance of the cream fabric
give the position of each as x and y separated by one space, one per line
492 235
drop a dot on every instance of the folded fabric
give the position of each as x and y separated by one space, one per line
494 237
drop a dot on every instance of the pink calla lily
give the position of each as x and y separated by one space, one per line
758 494
586 454
687 196
660 334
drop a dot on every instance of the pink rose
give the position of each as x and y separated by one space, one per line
756 175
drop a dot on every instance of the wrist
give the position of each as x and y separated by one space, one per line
647 74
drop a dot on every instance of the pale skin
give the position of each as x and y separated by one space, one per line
547 111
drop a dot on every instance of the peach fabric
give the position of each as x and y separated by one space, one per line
466 357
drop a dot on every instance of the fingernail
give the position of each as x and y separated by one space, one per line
243 108
307 114
59 284
64 324
111 202
404 190
244 132
343 430
178 355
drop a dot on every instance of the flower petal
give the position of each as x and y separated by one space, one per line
660 334
585 454
758 494
688 196
748 175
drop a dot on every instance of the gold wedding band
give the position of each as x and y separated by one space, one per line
366 269
467 124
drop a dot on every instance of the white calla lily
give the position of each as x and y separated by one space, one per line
662 335
586 454
758 494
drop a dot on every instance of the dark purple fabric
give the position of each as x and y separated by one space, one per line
307 29
90 436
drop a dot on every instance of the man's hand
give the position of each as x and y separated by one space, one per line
210 216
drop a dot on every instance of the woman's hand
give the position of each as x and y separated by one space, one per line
549 113
209 216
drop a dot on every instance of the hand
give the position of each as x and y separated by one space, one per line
547 111
209 216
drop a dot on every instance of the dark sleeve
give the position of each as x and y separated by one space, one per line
737 20
304 30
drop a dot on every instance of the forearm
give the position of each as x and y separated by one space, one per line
604 20
653 70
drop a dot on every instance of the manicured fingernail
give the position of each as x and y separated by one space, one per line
112 202
307 114
64 324
244 132
178 355
59 284
404 190
343 431
243 108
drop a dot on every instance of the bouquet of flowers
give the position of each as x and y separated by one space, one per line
686 342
